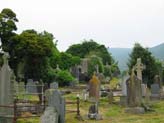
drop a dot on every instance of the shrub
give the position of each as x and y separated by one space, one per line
64 78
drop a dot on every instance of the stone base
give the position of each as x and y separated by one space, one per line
95 116
135 110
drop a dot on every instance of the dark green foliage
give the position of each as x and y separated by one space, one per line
107 71
67 60
7 27
89 48
147 59
93 62
64 78
35 49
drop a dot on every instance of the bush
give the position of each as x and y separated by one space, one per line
64 78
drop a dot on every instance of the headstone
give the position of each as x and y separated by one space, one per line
134 91
134 95
110 97
50 115
155 89
6 94
31 87
124 86
54 85
94 89
157 80
85 95
56 100
94 94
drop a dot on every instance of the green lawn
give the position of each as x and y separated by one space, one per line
112 113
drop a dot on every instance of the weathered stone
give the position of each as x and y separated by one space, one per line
54 85
134 91
110 97
93 112
6 91
31 87
94 89
139 67
56 100
50 115
135 110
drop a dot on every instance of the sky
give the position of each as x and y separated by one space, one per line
114 23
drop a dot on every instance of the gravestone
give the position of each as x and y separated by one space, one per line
31 87
155 90
56 100
94 89
123 85
85 95
54 85
123 98
50 115
6 94
134 95
157 80
110 97
94 94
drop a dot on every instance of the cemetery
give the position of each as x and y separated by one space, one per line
84 84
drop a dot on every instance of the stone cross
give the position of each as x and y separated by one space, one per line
134 90
139 67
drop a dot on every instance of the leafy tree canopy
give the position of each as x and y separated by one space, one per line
90 48
7 27
147 59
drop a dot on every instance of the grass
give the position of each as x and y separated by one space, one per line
112 113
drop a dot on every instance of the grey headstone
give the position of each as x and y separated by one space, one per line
6 94
54 85
56 100
155 89
50 115
31 87
124 86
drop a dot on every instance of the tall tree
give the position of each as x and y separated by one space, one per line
7 27
147 59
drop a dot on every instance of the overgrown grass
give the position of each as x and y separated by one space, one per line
111 113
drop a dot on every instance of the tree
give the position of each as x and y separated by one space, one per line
35 49
147 59
93 62
67 60
88 48
7 27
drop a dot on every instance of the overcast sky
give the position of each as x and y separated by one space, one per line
115 23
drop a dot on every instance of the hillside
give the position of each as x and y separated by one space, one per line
158 51
122 54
